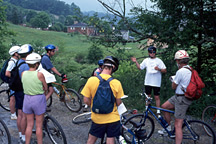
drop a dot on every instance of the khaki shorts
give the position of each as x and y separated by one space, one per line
181 105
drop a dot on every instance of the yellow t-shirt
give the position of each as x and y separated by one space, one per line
90 90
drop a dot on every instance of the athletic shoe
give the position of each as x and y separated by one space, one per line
163 131
13 117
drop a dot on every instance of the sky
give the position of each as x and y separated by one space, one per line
94 5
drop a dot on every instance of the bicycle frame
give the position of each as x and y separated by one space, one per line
63 88
170 133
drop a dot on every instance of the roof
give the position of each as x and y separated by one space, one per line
79 25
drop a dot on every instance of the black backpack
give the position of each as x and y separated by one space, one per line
3 70
103 102
15 81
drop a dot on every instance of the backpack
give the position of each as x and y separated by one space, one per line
103 102
3 70
194 89
15 81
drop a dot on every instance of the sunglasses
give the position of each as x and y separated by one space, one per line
152 52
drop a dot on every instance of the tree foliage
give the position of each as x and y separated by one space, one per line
41 20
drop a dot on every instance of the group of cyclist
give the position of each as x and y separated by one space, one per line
35 89
30 102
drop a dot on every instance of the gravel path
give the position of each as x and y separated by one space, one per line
75 134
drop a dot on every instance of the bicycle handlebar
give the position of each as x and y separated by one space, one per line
148 99
212 94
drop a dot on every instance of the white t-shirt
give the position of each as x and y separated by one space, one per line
11 64
182 79
152 77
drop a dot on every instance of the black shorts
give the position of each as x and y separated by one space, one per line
19 97
156 90
49 85
111 129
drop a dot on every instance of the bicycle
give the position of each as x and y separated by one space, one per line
69 96
5 137
5 96
193 130
209 116
53 130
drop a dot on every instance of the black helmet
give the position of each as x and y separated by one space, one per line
152 49
110 61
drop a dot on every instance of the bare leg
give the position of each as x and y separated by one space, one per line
30 125
39 128
178 130
12 104
19 119
50 92
157 99
23 123
110 140
91 139
167 105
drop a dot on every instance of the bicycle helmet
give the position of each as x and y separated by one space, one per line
181 54
25 49
13 50
100 62
33 58
152 49
50 47
110 61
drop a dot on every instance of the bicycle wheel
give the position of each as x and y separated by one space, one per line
4 99
209 116
72 100
200 135
135 123
49 101
5 137
82 118
54 130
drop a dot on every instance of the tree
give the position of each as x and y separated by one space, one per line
41 20
4 32
69 20
30 14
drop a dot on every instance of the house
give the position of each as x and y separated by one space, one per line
82 28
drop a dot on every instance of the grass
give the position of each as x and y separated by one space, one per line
66 43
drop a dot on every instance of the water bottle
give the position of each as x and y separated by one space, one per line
56 90
163 121
122 140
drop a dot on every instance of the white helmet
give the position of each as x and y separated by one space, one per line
25 49
181 54
33 58
13 50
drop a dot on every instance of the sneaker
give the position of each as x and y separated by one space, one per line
163 131
13 117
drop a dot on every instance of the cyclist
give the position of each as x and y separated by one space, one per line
154 67
104 123
11 64
179 102
47 65
34 104
24 51
98 70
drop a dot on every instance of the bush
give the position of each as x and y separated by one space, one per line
95 53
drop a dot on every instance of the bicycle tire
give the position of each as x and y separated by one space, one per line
82 118
197 128
147 124
72 100
209 117
54 130
49 101
4 96
79 91
5 137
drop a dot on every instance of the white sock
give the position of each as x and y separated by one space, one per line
146 107
13 114
20 134
23 137
158 111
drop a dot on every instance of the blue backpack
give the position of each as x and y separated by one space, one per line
3 70
103 102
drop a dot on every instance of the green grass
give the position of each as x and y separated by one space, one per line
66 43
